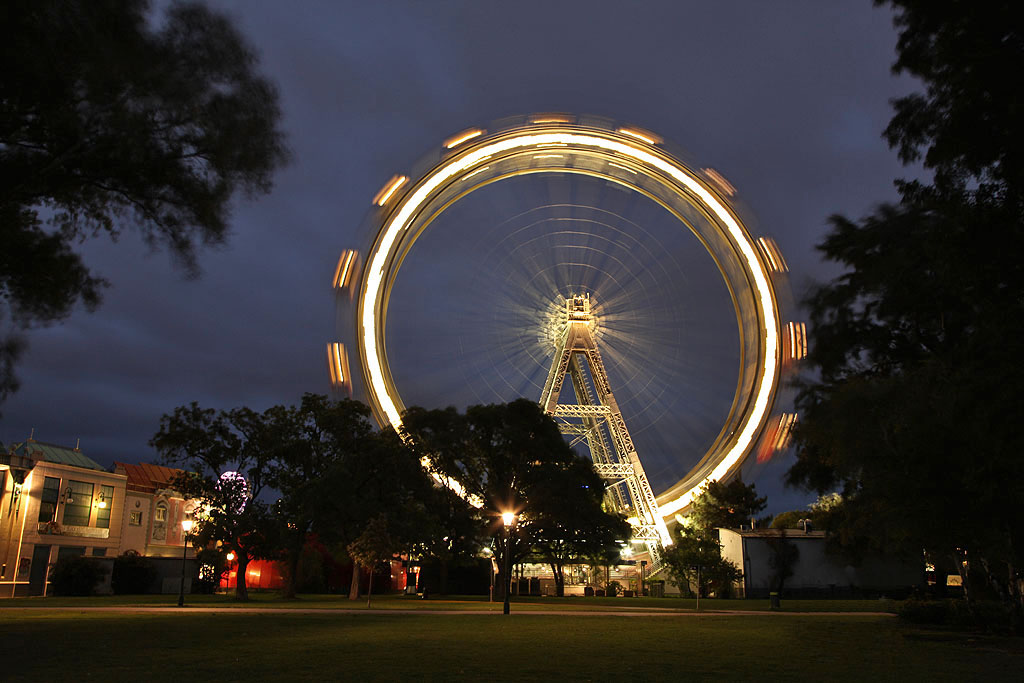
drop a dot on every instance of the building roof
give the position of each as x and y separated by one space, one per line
48 452
147 478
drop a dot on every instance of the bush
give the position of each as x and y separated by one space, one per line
76 575
133 574
212 566
926 612
987 615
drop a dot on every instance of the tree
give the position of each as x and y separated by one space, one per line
784 557
697 545
512 457
109 120
913 408
379 476
966 125
375 546
820 514
458 529
727 506
695 561
567 520
227 455
312 439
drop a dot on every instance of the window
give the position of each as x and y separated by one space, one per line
160 522
105 503
78 504
48 503
99 552
69 551
135 519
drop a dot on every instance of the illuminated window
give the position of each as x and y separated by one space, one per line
106 503
161 512
48 503
135 519
78 504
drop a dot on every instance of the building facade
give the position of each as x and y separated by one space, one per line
815 572
54 502
153 511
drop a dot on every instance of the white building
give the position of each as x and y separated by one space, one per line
815 572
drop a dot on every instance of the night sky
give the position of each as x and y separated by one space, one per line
786 99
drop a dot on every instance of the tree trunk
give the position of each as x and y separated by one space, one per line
500 584
241 590
353 591
369 592
1013 586
963 571
500 580
993 581
291 583
559 573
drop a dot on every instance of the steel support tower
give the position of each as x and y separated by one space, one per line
596 419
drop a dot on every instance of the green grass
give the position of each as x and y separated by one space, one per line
341 645
460 603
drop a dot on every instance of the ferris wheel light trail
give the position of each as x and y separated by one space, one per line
385 194
465 136
620 147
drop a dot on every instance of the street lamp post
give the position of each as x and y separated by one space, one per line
186 526
508 518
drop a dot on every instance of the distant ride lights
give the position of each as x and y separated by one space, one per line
632 158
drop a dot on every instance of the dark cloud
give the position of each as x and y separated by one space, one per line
787 100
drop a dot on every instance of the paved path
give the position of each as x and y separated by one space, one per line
621 612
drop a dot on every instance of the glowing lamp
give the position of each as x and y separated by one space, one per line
508 517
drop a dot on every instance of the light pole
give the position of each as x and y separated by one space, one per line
508 518
186 526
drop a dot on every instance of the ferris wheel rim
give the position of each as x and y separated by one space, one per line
642 155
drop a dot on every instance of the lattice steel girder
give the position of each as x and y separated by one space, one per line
646 532
573 428
614 470
575 342
563 410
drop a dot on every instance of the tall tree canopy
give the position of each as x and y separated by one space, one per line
512 457
918 344
227 456
330 471
966 125
727 506
113 119
313 438
697 544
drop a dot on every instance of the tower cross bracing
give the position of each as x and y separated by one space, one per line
596 419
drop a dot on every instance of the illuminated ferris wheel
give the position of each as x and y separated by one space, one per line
552 248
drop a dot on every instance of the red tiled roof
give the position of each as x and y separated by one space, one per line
145 477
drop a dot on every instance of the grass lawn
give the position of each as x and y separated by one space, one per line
462 603
340 645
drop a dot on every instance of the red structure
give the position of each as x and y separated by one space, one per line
269 575
259 575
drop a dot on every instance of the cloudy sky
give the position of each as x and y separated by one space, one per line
787 99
